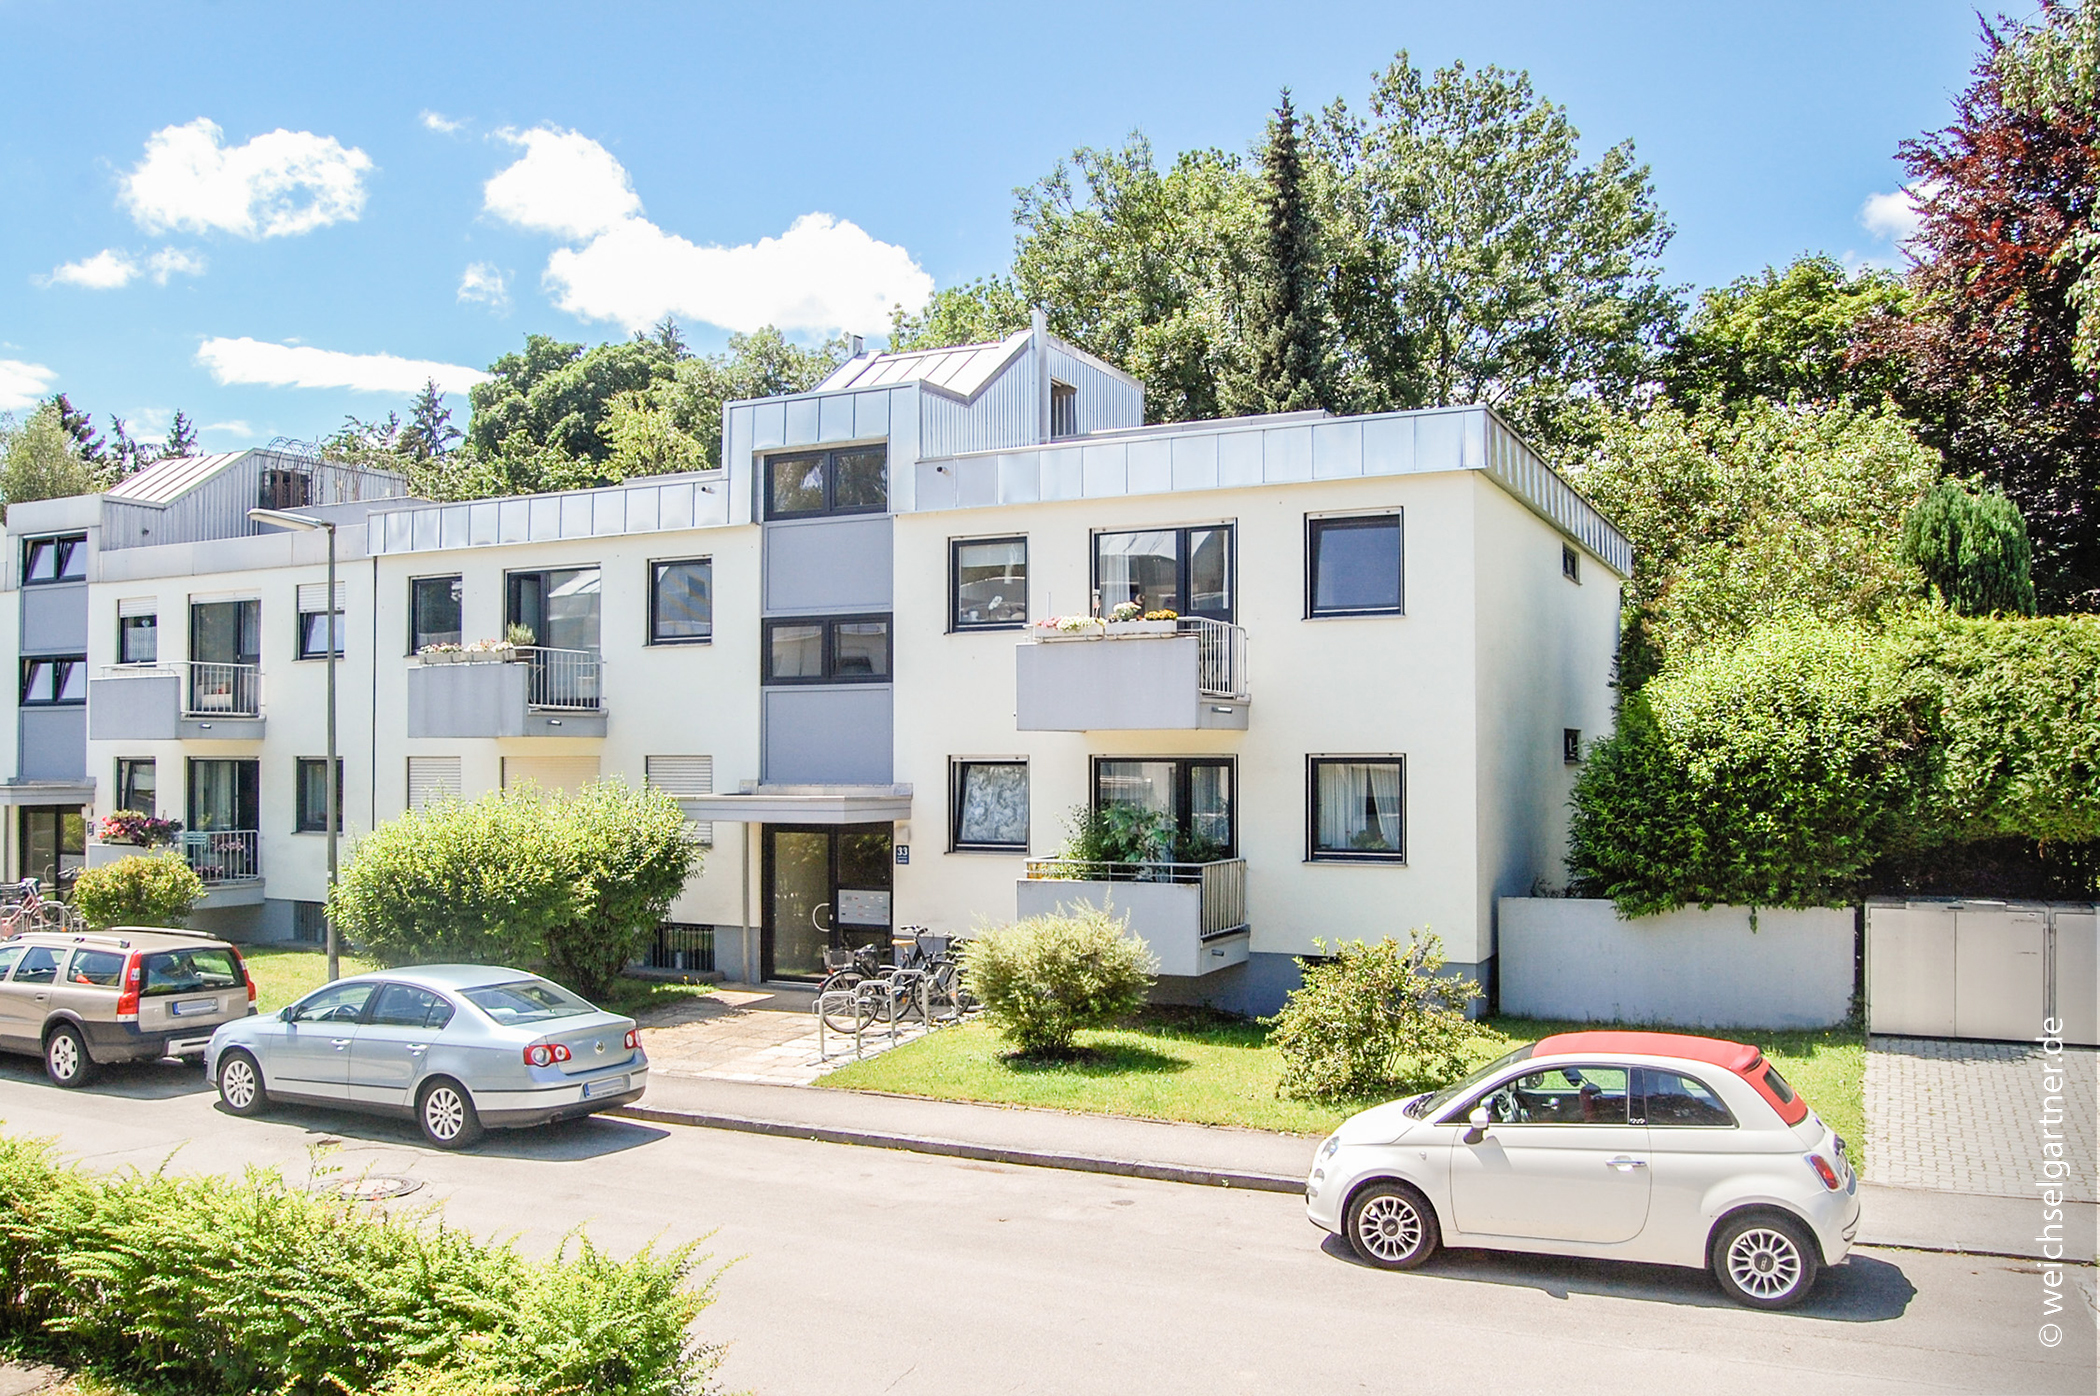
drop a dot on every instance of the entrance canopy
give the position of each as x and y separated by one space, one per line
53 792
804 804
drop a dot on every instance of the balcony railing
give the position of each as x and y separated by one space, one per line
224 855
1222 884
221 690
564 680
1221 656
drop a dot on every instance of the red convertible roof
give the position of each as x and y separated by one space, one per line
1736 1056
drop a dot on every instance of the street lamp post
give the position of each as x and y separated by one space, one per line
331 795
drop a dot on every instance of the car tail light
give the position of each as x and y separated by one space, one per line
634 1039
128 992
545 1054
1825 1171
247 974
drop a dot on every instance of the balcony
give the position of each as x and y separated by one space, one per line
196 701
1192 916
230 863
1133 676
530 691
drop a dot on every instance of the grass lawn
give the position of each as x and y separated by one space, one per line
284 974
1170 1066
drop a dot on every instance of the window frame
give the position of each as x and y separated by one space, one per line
957 765
1064 410
340 629
956 624
415 630
304 820
1642 1074
1183 554
126 626
1313 852
1315 526
1570 563
126 766
69 546
1183 766
656 577
32 662
829 456
830 675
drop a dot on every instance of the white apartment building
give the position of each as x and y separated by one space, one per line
1393 635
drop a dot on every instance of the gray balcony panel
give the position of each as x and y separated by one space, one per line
143 707
54 743
55 619
828 565
1140 684
1191 927
828 736
487 700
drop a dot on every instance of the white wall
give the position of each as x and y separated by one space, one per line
1575 959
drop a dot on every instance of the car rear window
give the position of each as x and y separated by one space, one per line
527 1001
191 971
102 968
1779 1086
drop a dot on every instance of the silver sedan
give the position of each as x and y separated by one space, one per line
459 1048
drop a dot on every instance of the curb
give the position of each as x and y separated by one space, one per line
980 1153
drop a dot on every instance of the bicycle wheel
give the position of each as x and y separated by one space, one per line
838 1017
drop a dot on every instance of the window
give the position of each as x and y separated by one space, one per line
39 966
681 602
1352 566
990 805
313 795
284 489
683 778
138 631
8 955
54 559
54 680
199 969
432 779
1064 410
988 578
225 795
314 626
1186 570
99 968
310 923
433 612
1674 1099
135 784
1356 809
1571 564
337 1003
1193 797
808 484
1561 1095
53 843
1571 745
527 1001
560 608
842 649
406 1006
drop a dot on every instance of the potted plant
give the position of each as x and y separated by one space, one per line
1129 618
137 828
1069 628
439 654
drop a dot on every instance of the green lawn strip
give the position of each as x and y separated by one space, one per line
285 974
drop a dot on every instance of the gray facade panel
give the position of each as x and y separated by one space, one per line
820 566
828 736
55 619
1106 685
135 708
54 743
467 700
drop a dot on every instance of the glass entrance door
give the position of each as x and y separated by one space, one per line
827 886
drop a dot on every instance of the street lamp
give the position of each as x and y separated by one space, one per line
304 524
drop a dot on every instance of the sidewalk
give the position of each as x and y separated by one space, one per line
1907 1218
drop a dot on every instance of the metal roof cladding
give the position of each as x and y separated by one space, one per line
964 370
165 481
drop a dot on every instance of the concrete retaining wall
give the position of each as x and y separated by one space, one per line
1575 959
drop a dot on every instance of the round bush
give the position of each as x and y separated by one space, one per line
1043 979
1375 1020
155 890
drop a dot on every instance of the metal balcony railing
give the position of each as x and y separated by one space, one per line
1221 656
1223 883
564 680
221 690
224 855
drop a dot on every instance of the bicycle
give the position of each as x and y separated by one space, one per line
23 908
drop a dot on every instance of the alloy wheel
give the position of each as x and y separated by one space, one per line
65 1056
444 1114
1764 1263
237 1083
1390 1227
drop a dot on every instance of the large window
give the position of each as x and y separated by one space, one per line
52 680
138 631
1193 797
681 602
54 843
990 805
1352 566
829 649
988 579
225 796
316 633
808 484
54 559
135 784
560 608
433 612
313 795
1185 570
1356 809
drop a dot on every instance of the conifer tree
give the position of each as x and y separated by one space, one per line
182 436
430 432
1284 330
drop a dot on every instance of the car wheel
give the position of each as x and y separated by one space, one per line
446 1113
1392 1226
66 1059
1765 1261
240 1084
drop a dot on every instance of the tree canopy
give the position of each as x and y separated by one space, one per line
1785 331
41 459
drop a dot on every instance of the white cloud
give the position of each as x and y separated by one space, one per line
565 183
23 385
247 360
440 123
276 185
173 261
112 268
483 283
822 274
1895 216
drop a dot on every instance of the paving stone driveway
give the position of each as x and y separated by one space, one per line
744 1033
1966 1116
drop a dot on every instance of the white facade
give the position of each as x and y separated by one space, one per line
833 781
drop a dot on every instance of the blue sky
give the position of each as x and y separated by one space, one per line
256 212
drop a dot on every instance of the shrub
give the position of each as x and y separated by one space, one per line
209 1285
1375 1020
153 890
1131 834
630 855
1972 549
1043 979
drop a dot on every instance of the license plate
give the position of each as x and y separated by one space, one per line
610 1086
188 1008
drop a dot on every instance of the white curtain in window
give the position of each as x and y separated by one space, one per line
1359 807
994 800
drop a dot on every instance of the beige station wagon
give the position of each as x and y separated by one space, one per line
122 995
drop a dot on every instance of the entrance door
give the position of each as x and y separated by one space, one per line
827 886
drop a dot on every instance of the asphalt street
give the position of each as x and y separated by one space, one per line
857 1270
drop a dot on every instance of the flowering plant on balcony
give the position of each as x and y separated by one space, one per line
1162 615
137 827
1069 625
474 652
1126 610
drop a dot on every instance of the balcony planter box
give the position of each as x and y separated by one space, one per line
1122 629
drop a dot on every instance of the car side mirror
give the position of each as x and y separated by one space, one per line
1479 1122
289 1013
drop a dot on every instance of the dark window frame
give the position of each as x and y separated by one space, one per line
1316 854
340 631
1571 746
69 546
1183 767
415 629
956 842
125 769
312 821
956 624
1571 563
830 674
1318 524
1183 552
32 662
127 626
656 577
831 507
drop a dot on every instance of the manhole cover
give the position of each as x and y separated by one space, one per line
375 1187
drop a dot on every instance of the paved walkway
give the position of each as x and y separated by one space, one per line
1968 1117
752 1033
